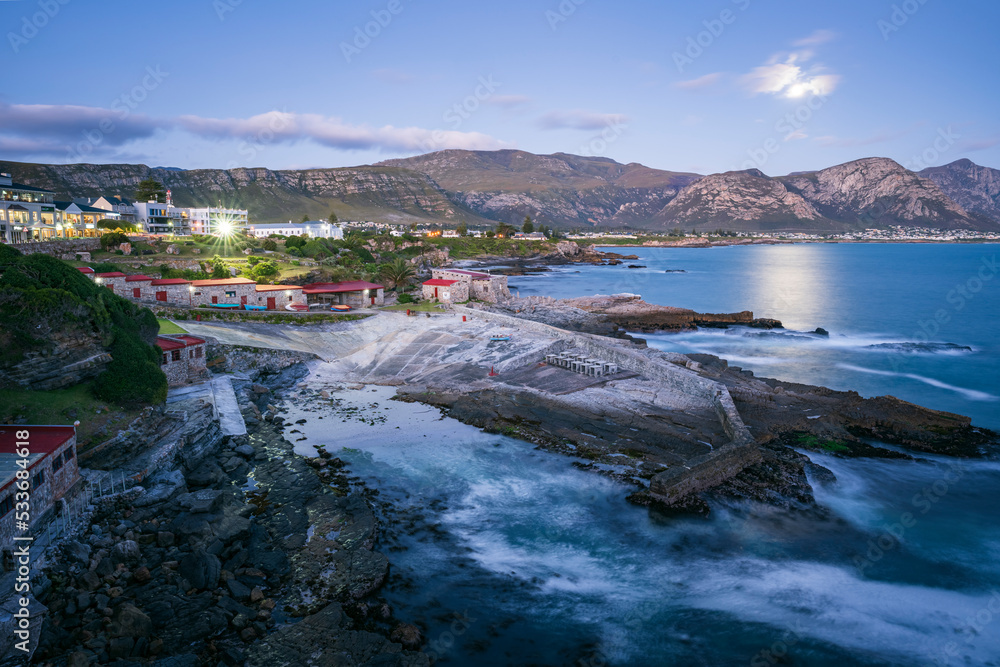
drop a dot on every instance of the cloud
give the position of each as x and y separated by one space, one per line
508 101
789 79
45 130
699 83
579 120
393 76
797 135
815 39
68 123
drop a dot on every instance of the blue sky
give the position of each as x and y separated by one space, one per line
704 87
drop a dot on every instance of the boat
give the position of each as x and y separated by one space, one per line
499 338
249 307
342 309
297 307
224 306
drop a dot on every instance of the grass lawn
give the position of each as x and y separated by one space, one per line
422 307
99 420
168 327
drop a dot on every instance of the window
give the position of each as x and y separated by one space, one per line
175 355
197 293
231 293
57 463
68 454
164 362
197 353
7 504
38 480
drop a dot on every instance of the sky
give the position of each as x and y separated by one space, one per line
704 87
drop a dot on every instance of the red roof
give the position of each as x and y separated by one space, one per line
84 269
137 278
41 439
223 281
112 274
177 342
336 288
438 282
170 281
276 288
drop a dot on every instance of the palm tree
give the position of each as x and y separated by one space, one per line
352 241
398 272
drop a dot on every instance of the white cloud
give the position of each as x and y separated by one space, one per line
699 83
579 120
788 78
797 135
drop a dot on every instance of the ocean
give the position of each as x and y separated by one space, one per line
508 555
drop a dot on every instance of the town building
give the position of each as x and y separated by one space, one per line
481 286
219 221
171 291
26 213
157 218
79 219
182 359
240 291
116 208
312 229
139 287
52 472
276 297
446 291
358 294
114 281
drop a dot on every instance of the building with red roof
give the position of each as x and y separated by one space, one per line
357 293
241 291
113 280
182 358
481 286
37 459
446 291
171 291
275 297
86 270
138 287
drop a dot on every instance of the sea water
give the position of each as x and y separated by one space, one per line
507 555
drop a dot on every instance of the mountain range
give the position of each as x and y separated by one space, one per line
565 191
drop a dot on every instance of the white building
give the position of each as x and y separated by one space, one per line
217 220
157 218
118 207
312 229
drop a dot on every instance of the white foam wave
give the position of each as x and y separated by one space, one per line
970 394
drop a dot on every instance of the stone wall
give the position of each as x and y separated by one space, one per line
58 248
252 361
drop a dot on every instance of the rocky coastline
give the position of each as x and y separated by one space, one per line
242 553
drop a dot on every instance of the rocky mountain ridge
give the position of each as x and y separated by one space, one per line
567 191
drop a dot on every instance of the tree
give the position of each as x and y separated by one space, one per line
504 230
463 229
490 234
332 218
413 226
262 270
305 218
150 190
112 239
398 272
270 244
528 226
219 268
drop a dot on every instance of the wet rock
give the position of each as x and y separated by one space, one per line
77 552
203 501
245 451
820 331
141 575
200 569
238 590
126 553
164 539
129 621
407 635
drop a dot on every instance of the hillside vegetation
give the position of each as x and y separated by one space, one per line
41 296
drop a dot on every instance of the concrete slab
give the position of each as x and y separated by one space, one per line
230 417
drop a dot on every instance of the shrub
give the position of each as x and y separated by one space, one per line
269 244
295 252
406 298
112 239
